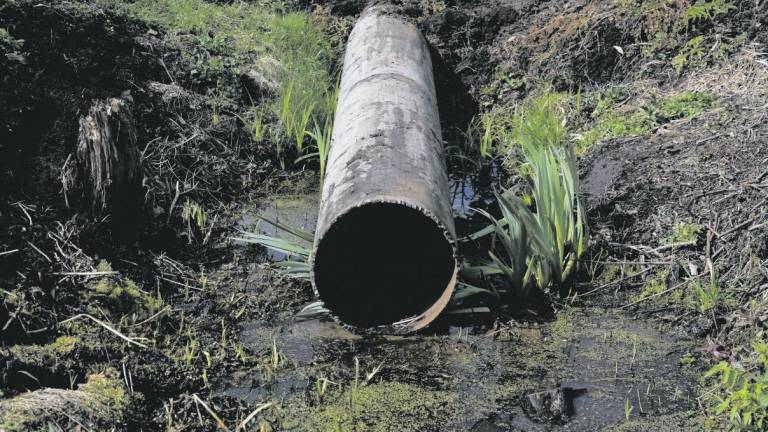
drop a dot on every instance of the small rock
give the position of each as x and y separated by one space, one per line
700 325
263 79
549 406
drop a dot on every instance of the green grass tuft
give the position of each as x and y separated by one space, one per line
235 37
683 233
686 105
612 126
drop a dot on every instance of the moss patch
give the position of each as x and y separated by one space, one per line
683 233
108 390
656 285
45 355
120 295
642 120
100 404
611 126
685 105
381 407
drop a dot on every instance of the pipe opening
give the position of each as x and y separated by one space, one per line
381 263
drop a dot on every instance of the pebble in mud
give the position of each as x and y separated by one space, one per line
550 406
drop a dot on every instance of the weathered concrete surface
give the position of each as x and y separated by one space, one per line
386 191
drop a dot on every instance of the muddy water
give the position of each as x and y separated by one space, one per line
614 370
605 361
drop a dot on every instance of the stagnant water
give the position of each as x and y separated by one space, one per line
609 366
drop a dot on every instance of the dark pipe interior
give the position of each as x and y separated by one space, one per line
381 263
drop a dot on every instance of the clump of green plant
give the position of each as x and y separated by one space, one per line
8 42
606 100
638 122
706 10
709 296
306 55
644 119
322 131
683 233
239 36
686 105
120 295
541 246
653 287
628 408
293 267
485 132
692 50
196 220
741 394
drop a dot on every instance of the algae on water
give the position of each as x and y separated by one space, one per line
382 407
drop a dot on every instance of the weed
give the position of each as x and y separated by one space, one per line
486 141
692 50
639 122
191 351
281 245
195 218
686 105
8 42
322 131
306 55
484 132
275 357
204 377
741 393
708 296
706 10
321 386
258 125
541 248
683 233
643 120
606 100
628 408
538 124
653 287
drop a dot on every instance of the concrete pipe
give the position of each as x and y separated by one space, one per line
384 252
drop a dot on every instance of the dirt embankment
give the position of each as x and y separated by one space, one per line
173 321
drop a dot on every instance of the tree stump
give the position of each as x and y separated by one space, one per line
108 158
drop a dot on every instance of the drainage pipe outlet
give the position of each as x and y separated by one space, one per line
384 252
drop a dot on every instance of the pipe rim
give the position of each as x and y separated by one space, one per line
409 323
